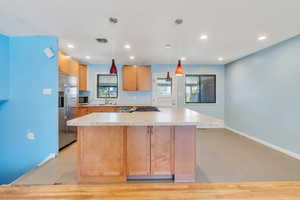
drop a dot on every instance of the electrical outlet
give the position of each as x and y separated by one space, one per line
30 135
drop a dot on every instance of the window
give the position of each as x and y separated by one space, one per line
200 88
107 86
163 87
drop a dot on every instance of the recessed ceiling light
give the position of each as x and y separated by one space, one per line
88 57
203 37
70 46
183 58
263 37
220 59
168 46
131 57
127 46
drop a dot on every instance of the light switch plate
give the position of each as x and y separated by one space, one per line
47 91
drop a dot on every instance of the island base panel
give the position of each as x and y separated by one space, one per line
101 154
185 154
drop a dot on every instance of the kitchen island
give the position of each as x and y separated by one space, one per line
115 147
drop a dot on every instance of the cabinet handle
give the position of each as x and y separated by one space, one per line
150 130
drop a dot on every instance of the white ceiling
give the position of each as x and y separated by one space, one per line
232 27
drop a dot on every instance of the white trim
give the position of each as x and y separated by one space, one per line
272 146
48 158
51 156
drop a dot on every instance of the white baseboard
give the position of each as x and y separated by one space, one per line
49 157
272 146
219 124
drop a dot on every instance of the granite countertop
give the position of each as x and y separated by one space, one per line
166 117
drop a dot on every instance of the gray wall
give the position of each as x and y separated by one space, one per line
263 95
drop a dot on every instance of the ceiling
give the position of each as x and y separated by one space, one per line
232 27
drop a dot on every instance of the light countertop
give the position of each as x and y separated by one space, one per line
166 117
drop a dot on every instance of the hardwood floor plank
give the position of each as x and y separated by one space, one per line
203 191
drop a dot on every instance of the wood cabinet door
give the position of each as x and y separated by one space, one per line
129 78
82 77
162 150
63 62
102 154
73 68
67 65
138 151
82 111
144 78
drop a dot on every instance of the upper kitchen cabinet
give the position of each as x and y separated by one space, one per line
67 65
136 78
82 77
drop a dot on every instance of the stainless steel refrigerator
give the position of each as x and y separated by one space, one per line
67 97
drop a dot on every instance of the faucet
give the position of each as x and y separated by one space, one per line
109 101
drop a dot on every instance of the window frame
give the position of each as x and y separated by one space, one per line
96 84
201 74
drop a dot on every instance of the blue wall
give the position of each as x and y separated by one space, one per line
27 108
145 97
4 67
263 95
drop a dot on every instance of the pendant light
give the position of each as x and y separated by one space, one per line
179 69
169 77
113 68
168 47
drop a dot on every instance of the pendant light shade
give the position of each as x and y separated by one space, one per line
169 77
113 68
179 70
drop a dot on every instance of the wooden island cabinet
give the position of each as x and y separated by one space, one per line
118 153
115 147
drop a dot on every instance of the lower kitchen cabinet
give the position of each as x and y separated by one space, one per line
138 151
162 150
150 151
81 111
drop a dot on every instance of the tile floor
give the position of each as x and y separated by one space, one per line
223 157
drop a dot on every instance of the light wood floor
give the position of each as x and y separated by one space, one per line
203 191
